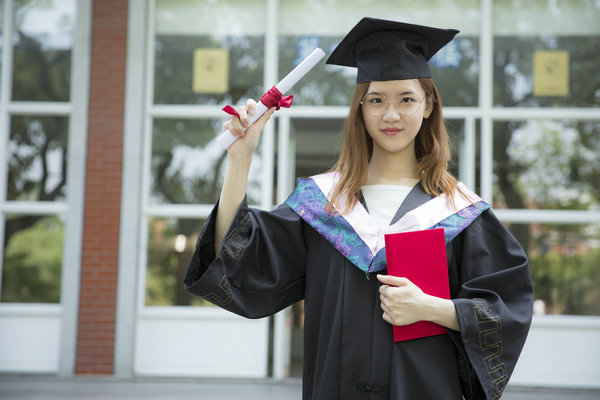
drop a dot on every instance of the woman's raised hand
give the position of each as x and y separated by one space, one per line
248 135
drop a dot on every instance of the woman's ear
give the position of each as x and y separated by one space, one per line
428 109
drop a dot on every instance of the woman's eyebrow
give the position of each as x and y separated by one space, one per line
395 94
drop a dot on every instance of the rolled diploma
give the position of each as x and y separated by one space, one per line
227 138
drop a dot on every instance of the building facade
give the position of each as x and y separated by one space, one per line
109 112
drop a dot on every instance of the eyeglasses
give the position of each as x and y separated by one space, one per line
375 104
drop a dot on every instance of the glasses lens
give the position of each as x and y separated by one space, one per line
408 104
376 104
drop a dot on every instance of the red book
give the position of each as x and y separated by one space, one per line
419 256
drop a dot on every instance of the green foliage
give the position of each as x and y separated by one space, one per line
37 158
552 164
176 142
166 266
568 284
43 75
42 58
32 263
161 281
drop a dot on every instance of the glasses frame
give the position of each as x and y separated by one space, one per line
362 103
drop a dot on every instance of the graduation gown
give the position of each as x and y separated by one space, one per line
272 259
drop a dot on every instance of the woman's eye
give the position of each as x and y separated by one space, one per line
407 100
376 100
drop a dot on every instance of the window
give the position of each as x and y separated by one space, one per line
566 37
547 164
206 63
522 163
455 68
545 169
35 111
564 261
171 243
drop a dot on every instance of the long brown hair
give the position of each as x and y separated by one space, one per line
432 150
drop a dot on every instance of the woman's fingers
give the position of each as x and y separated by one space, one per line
237 125
251 106
240 127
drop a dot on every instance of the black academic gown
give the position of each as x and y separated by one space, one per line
270 260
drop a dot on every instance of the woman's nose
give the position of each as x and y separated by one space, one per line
391 112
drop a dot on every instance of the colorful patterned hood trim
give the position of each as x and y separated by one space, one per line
310 203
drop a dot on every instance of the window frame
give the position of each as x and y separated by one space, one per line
71 208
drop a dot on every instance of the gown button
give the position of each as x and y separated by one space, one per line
364 387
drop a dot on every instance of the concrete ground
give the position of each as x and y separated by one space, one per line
35 387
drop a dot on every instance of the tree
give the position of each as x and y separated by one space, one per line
34 276
550 164
37 148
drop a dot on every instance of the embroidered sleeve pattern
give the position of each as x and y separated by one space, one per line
222 297
490 345
238 238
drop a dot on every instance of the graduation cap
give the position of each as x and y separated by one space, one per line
384 50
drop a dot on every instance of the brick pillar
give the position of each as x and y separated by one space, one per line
100 252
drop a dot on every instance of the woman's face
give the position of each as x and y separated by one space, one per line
393 112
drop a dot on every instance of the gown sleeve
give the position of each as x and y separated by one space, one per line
494 305
260 268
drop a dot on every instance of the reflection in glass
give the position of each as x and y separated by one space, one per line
567 27
547 164
174 65
459 164
564 263
513 71
171 244
456 132
1 36
325 84
37 158
455 71
188 165
235 27
31 268
316 145
43 40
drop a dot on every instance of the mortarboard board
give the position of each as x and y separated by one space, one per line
384 50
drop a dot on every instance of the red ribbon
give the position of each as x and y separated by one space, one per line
273 98
231 111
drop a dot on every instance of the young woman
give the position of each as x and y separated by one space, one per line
325 244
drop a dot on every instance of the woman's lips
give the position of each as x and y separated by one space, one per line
391 131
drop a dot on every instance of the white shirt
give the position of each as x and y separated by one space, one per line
383 201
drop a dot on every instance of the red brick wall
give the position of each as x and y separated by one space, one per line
100 252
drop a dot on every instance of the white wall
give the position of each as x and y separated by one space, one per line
29 337
561 351
207 342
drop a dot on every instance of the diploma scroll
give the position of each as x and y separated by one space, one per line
226 139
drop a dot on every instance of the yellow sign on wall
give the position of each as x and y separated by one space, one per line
211 71
550 73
